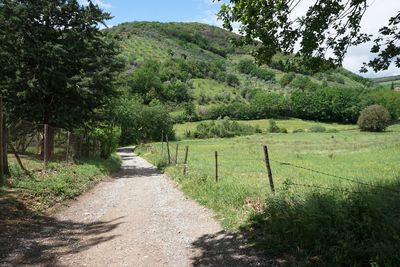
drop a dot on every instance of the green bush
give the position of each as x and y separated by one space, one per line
274 128
232 80
388 98
332 228
332 130
374 118
247 66
317 129
223 128
286 79
298 131
161 163
141 123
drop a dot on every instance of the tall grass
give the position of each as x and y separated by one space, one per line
61 181
338 208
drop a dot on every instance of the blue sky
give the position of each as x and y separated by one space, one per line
160 10
205 11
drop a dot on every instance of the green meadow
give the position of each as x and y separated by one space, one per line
347 154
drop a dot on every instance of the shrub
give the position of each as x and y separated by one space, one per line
317 129
223 128
385 97
161 163
374 118
332 228
332 130
247 66
286 79
298 131
140 123
274 128
232 80
284 130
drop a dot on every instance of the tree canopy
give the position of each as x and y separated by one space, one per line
323 34
57 67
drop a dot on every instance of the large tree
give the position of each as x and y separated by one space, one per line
57 66
323 35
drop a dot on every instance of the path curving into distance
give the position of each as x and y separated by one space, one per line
137 218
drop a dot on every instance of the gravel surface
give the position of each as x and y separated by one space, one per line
137 218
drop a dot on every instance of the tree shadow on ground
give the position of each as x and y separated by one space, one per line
229 249
28 237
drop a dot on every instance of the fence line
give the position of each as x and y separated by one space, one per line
220 159
34 145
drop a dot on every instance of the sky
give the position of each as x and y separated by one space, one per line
204 11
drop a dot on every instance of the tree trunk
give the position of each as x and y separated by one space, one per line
5 149
50 143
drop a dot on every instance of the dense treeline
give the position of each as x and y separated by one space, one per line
321 104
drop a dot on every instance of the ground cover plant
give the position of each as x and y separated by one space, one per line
222 128
292 125
28 201
326 167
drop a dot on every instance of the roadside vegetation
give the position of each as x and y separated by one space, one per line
143 82
327 215
27 198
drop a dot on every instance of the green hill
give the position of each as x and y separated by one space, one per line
388 81
216 71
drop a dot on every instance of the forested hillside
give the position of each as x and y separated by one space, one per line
197 72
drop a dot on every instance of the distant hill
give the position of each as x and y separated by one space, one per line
163 42
388 81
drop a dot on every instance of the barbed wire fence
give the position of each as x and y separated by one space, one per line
266 160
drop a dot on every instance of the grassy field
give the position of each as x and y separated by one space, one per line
350 154
336 193
289 124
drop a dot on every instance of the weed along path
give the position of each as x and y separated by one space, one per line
138 218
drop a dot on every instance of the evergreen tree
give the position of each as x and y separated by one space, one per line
57 66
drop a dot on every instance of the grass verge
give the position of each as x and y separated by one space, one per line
33 195
314 219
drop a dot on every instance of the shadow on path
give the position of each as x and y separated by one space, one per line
135 172
228 249
28 237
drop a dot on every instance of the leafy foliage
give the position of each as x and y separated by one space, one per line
317 129
141 123
62 68
274 128
332 227
327 25
222 128
247 66
374 118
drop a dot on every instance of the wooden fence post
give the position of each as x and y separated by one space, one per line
68 144
45 145
186 159
168 152
268 165
216 166
176 154
80 146
162 143
1 142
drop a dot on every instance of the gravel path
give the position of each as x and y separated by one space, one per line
138 218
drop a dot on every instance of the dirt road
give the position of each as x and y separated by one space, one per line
138 218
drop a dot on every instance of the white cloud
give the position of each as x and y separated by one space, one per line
210 16
376 16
